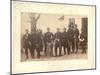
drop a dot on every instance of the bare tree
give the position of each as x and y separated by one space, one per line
33 20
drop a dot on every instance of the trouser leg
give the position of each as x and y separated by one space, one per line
76 47
68 49
60 51
26 52
64 49
51 51
82 46
32 51
41 48
55 50
83 49
38 52
73 46
45 51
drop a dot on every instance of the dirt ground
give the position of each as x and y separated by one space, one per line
72 56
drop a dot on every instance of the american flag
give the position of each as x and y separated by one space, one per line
61 18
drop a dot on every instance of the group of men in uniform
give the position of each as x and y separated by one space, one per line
52 44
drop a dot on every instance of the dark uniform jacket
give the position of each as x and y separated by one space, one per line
48 37
70 35
36 40
25 41
83 37
58 37
65 37
76 34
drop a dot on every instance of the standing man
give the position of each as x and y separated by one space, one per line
36 43
83 42
58 42
41 39
71 36
76 37
26 42
48 42
65 42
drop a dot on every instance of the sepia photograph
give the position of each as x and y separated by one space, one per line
52 37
